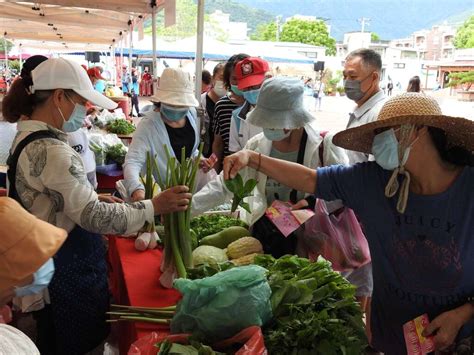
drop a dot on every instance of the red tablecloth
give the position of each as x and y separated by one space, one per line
106 183
134 279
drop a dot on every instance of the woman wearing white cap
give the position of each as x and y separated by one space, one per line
289 133
173 122
47 177
416 202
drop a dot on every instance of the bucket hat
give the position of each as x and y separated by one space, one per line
250 72
27 242
280 105
60 73
409 109
175 88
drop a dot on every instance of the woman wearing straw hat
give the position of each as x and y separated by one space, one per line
173 122
289 133
47 177
417 205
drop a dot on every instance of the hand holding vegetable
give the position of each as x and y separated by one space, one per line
174 199
236 162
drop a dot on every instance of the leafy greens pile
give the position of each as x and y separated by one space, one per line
120 126
314 309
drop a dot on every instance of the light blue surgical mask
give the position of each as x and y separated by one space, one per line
41 280
173 113
236 90
251 96
76 119
385 150
275 134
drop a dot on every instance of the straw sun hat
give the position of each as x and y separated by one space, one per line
409 108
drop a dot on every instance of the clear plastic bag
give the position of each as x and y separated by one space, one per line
217 307
338 237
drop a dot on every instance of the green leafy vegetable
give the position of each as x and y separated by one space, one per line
120 126
314 308
240 191
116 153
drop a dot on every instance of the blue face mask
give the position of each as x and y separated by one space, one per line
76 119
251 96
172 113
385 150
41 280
275 134
236 90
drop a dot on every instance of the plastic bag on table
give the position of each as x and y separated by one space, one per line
217 307
248 341
338 237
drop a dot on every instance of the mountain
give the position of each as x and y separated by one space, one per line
390 19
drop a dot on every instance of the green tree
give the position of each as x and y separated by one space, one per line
186 22
309 32
374 37
465 35
2 46
462 78
265 32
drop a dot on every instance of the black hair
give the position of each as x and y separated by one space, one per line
30 64
217 69
206 77
229 67
414 85
370 58
455 155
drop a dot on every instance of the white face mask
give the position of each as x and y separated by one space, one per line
219 88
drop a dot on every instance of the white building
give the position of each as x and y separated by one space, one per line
232 30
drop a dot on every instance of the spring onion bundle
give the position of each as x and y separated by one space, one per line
177 237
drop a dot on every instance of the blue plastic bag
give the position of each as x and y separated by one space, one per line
218 307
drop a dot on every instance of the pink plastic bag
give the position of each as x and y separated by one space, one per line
337 237
251 339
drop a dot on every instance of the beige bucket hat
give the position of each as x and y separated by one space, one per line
409 109
175 88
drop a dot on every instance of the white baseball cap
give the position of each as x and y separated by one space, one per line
175 88
60 73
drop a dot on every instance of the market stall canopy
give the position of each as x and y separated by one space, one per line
101 22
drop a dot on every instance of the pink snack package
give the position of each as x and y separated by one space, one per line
416 343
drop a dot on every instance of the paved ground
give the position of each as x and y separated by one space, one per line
335 110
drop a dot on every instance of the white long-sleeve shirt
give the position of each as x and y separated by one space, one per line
52 185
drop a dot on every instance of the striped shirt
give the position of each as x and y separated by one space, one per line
222 117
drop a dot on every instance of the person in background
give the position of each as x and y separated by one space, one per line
224 108
416 202
414 85
146 84
208 104
173 122
250 73
206 81
361 74
134 94
26 265
98 81
318 94
289 133
126 80
389 87
47 177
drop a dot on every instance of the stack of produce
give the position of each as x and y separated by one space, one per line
120 126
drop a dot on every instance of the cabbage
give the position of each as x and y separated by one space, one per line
206 254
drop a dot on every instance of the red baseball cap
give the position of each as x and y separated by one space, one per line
250 72
95 73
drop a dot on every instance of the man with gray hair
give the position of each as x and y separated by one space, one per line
362 72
